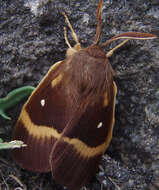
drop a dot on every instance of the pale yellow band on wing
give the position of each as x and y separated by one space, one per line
42 132
106 99
56 80
51 69
42 81
110 133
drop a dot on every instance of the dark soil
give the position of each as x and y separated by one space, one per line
31 40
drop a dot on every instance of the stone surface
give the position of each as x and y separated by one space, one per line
31 40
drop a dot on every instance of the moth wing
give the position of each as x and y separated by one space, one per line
75 156
41 121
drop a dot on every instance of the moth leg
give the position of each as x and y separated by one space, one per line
74 36
110 53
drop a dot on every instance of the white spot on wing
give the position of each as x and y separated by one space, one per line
42 102
100 124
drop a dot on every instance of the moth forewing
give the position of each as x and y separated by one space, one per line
83 144
35 126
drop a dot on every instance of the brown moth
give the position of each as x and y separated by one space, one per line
67 121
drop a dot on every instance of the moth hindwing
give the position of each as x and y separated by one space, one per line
67 121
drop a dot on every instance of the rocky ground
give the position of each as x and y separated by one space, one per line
31 40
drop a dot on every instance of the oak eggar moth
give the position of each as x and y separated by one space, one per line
67 121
